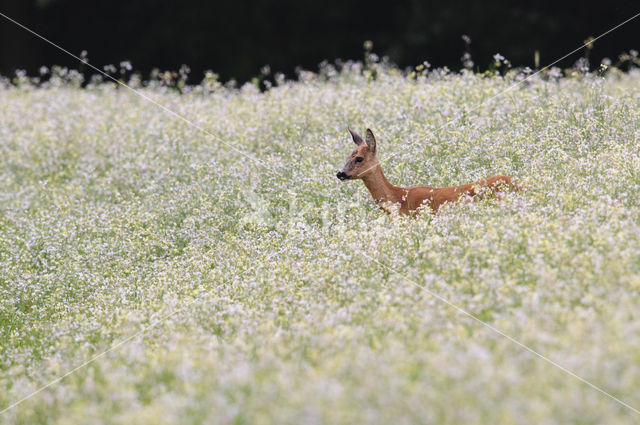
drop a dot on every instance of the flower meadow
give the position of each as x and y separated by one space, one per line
242 283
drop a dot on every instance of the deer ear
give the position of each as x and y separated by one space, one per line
371 140
356 137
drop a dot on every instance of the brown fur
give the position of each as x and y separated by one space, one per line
408 199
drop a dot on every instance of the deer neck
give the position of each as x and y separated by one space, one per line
380 188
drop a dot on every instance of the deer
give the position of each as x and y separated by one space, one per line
363 164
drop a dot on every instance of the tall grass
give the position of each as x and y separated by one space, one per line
249 282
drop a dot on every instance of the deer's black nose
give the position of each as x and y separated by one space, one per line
342 176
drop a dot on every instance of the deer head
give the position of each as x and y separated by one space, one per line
363 159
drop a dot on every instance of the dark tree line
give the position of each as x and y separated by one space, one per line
236 38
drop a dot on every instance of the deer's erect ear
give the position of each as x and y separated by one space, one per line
356 137
370 140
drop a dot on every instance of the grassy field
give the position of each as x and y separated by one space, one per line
259 293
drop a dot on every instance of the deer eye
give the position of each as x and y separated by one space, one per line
359 159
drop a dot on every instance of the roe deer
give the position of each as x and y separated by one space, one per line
363 164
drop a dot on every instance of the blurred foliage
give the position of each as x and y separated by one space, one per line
236 39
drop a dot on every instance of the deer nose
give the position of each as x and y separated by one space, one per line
342 176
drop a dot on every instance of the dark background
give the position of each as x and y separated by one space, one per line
235 38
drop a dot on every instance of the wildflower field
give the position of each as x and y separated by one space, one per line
242 283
